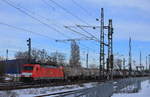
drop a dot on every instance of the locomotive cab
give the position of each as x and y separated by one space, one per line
28 71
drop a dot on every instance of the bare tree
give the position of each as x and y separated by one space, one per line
42 56
21 55
92 66
58 57
75 55
2 58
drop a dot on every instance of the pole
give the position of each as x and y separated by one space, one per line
29 49
102 59
87 60
124 63
130 57
140 59
6 54
111 47
149 61
124 60
146 62
110 50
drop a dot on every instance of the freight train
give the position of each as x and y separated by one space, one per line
35 72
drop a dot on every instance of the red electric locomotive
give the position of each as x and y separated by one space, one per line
41 72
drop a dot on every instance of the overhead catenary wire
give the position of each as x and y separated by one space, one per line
26 30
34 18
88 33
42 16
31 12
34 13
86 36
67 11
83 46
82 8
26 13
77 26
89 14
73 16
44 1
84 26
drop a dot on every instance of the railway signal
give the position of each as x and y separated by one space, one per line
29 49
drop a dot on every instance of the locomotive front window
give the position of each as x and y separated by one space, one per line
28 68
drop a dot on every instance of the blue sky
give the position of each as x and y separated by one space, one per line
130 18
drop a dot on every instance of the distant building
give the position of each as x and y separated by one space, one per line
12 66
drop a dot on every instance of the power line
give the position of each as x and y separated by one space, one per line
74 16
48 4
26 13
86 36
67 11
80 27
88 33
77 4
26 30
34 18
92 36
90 26
34 13
46 17
31 12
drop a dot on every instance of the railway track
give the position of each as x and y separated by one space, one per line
62 94
13 85
21 85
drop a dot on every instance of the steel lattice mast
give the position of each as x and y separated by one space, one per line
102 55
110 49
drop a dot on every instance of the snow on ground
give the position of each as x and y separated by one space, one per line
144 91
46 90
